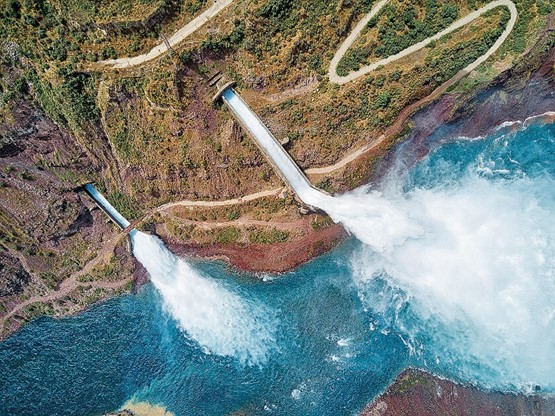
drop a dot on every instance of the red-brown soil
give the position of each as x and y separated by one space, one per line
416 393
277 257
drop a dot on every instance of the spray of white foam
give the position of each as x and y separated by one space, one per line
220 320
474 262
477 269
471 268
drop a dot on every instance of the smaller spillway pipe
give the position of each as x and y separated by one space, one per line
274 151
105 206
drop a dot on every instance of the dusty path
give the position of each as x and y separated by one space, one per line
332 73
176 38
66 287
345 161
234 201
70 284
391 131
245 222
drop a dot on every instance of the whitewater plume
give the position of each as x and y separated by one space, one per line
466 272
475 291
464 253
220 320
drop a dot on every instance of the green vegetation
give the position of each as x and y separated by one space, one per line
396 27
528 10
72 102
25 175
123 144
180 231
126 205
228 235
36 310
234 214
306 23
110 271
268 236
87 11
50 280
409 381
321 222
449 61
225 42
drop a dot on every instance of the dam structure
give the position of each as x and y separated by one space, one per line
218 318
105 206
278 157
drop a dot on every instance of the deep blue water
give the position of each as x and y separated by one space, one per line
340 341
94 362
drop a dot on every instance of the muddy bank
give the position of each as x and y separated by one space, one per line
419 393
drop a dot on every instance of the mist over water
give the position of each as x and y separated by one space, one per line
221 320
459 257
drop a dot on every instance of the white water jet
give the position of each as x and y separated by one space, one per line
480 280
275 151
476 264
99 198
219 320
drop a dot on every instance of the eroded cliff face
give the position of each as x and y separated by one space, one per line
39 165
524 91
418 393
13 277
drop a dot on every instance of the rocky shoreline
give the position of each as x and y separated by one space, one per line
516 95
416 392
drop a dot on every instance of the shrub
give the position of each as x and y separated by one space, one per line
268 236
228 235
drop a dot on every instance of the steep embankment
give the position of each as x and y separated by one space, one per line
418 393
523 91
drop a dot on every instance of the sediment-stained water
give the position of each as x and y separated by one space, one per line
451 269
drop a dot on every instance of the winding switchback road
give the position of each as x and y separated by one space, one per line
347 43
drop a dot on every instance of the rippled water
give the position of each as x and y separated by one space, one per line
459 280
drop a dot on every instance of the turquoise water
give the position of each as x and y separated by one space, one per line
343 326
